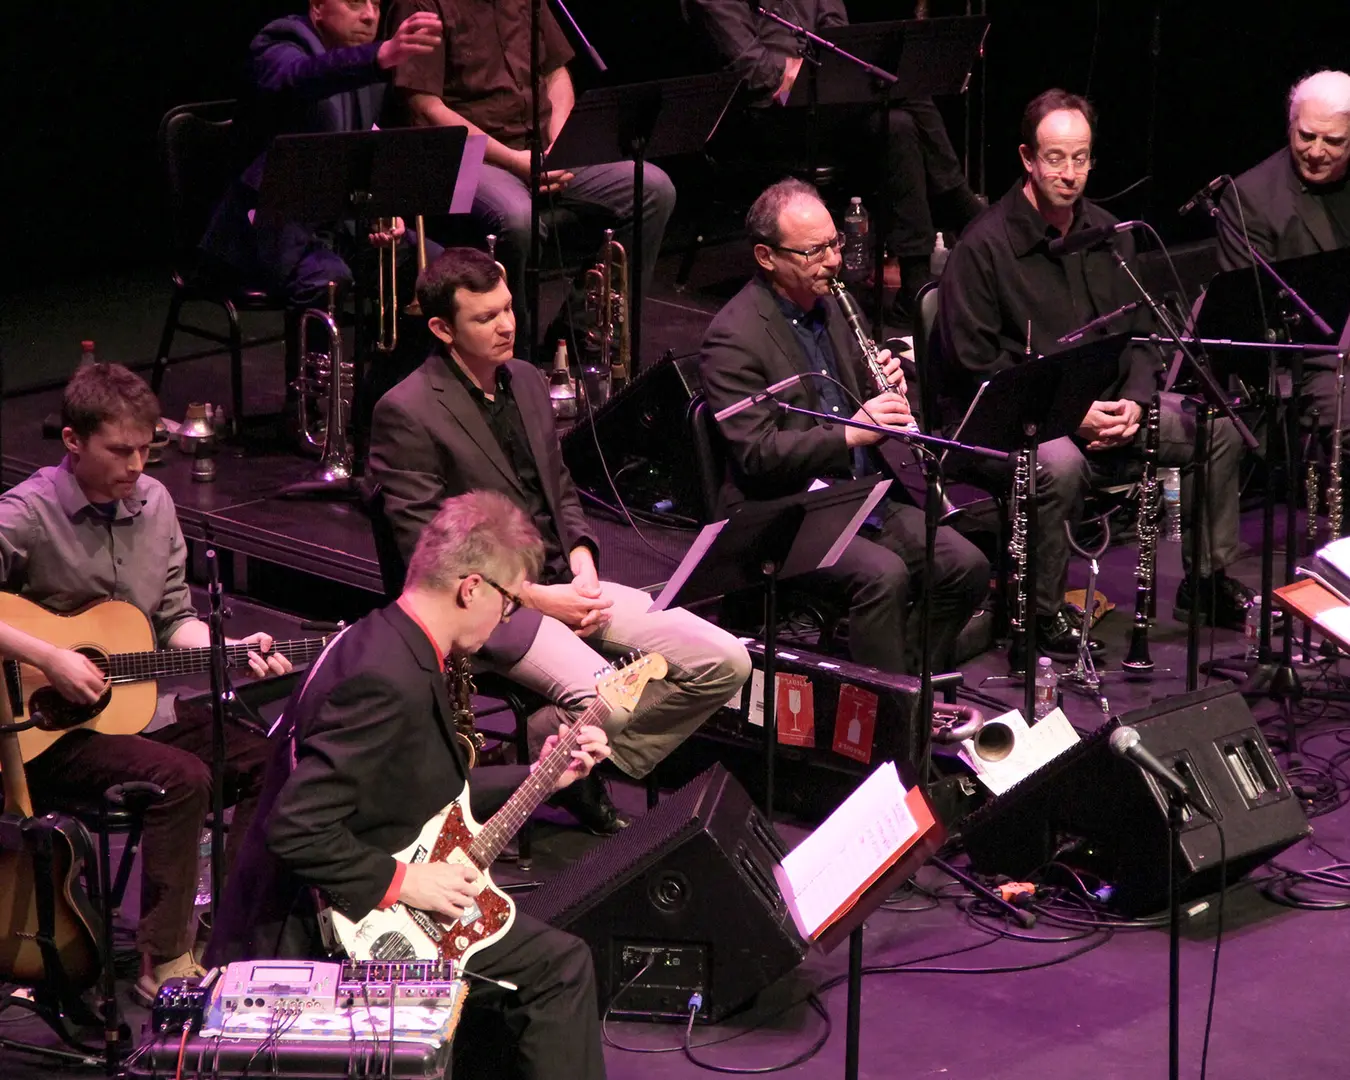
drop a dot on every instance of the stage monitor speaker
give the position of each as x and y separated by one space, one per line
644 435
1093 809
683 901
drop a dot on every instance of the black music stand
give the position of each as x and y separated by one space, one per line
876 63
316 179
652 119
761 544
1042 399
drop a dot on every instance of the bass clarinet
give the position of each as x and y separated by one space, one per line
1146 526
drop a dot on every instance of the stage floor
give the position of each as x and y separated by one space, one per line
988 1005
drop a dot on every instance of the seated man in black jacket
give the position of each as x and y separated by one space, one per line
369 755
1297 202
1004 295
782 323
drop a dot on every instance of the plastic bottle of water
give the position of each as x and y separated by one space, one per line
202 900
855 237
1047 687
1251 629
86 353
1171 497
937 262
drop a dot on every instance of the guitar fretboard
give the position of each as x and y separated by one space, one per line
163 663
506 822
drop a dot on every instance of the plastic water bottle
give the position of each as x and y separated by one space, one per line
1251 629
1171 489
1047 687
855 237
86 353
937 262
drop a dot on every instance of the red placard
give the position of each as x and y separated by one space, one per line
855 721
796 710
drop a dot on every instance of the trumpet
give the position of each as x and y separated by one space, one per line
324 373
386 339
607 332
415 306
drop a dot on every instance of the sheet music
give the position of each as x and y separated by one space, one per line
842 540
692 558
865 834
1337 554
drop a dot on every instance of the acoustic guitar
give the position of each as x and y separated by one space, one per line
120 641
76 928
400 932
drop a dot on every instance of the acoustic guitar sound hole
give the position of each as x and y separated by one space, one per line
54 713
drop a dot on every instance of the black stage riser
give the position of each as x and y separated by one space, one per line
691 880
1094 809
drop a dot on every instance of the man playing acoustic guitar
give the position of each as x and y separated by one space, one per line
96 528
370 755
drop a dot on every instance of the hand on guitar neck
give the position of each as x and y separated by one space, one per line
592 748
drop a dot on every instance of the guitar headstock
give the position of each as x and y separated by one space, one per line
622 687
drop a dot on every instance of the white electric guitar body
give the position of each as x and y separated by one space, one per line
400 932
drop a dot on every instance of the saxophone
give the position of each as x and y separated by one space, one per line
459 682
1019 550
1146 526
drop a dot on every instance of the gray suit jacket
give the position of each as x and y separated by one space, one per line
429 441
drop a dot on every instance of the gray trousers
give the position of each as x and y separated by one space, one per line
1066 473
707 666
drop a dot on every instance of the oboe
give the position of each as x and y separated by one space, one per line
1146 526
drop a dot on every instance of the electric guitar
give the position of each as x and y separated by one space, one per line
401 932
128 702
76 929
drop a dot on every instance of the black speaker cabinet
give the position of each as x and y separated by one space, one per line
683 901
1090 808
643 432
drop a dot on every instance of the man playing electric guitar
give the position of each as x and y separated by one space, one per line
96 528
369 755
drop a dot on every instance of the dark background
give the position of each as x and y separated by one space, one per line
89 82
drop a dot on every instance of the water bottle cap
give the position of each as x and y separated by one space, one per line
1044 661
86 346
856 200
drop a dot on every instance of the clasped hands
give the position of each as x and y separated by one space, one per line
1110 424
578 604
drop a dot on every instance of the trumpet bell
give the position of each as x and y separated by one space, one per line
994 741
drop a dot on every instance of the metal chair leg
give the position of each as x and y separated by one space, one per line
166 340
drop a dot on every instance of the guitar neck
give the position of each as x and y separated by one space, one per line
164 663
506 822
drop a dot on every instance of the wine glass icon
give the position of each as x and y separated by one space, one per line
794 703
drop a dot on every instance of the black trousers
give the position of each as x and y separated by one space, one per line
881 575
551 1025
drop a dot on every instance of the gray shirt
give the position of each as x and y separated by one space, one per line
60 551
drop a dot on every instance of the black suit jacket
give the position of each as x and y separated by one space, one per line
429 441
1284 220
751 345
294 85
375 759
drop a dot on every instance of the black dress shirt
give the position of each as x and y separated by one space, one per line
1002 279
503 418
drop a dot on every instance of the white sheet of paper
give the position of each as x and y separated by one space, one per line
1336 621
830 865
1338 554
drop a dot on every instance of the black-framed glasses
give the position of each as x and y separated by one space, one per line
813 254
511 603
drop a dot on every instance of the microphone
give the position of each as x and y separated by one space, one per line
1097 323
1126 743
1089 238
1206 192
755 398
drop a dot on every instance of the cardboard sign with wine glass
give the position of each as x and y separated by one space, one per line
795 708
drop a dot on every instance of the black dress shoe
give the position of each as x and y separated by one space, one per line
588 801
1057 636
1223 596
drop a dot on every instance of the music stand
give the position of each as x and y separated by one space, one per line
1042 399
327 177
760 544
915 58
661 118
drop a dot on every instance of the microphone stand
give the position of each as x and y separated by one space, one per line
885 83
1212 399
216 625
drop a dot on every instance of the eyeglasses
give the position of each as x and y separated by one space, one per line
511 603
1058 163
814 254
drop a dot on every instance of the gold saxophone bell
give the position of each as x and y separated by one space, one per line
607 330
386 339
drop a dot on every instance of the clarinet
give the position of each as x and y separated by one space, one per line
1020 552
1334 465
869 347
1146 525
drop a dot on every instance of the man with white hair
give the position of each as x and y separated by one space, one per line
1297 202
